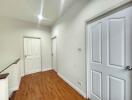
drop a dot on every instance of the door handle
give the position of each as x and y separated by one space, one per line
129 68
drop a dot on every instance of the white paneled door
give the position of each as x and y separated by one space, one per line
54 54
109 57
32 55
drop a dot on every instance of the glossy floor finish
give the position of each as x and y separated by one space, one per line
45 86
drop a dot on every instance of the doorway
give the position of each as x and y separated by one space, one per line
54 54
32 55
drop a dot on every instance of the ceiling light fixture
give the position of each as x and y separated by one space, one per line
62 6
40 17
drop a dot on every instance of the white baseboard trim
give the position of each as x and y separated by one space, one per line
73 86
15 88
11 90
46 69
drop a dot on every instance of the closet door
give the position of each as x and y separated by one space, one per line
32 53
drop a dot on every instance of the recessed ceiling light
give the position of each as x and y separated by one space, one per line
40 17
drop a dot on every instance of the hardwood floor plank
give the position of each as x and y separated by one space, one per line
46 86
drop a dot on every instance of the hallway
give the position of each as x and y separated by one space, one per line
45 86
65 49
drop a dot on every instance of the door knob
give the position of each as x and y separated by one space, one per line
128 67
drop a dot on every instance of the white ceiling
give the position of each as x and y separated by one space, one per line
28 10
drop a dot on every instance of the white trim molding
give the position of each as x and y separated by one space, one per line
11 90
120 4
72 85
46 69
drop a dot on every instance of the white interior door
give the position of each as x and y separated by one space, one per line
32 53
54 64
110 43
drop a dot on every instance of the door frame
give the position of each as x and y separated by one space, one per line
86 59
40 51
54 37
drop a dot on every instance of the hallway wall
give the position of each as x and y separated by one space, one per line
12 32
70 32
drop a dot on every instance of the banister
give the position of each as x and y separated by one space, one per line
3 76
15 62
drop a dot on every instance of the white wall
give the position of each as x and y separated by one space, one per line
70 32
14 77
12 32
4 89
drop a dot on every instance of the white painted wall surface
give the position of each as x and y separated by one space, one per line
70 32
12 32
14 77
4 89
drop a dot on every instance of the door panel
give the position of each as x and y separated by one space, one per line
54 54
110 51
96 45
96 84
32 53
116 42
27 46
116 88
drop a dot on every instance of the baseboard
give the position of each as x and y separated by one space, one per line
73 86
47 69
12 90
15 88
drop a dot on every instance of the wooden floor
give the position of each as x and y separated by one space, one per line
45 86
